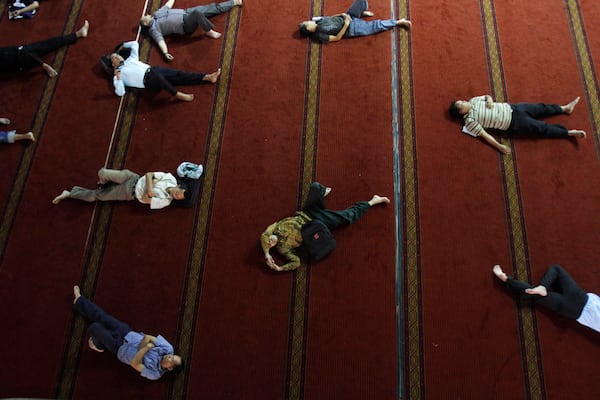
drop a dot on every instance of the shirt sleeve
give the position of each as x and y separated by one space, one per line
321 37
157 204
119 86
135 49
163 345
264 238
155 33
292 258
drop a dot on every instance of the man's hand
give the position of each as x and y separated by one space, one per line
505 149
168 56
489 102
271 263
118 73
347 18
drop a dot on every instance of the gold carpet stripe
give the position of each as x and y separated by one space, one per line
515 213
22 173
200 233
296 336
411 223
585 63
94 251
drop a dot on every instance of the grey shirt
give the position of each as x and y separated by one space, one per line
166 21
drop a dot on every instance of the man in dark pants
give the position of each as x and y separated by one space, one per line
558 292
481 113
21 58
150 356
176 21
285 235
131 72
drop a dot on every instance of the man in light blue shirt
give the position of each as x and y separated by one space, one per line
149 355
131 72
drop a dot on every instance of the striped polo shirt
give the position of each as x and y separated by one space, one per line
480 117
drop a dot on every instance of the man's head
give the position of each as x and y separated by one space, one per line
179 192
273 239
172 362
146 21
116 60
458 108
307 28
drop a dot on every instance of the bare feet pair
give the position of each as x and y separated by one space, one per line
538 290
4 121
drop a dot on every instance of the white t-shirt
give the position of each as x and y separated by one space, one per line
161 198
590 316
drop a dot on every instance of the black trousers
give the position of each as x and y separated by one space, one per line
525 119
315 207
564 295
106 331
21 58
159 78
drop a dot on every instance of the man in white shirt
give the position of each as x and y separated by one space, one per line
131 72
157 189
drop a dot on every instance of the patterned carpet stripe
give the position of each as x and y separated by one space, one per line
530 350
408 280
193 287
294 379
586 66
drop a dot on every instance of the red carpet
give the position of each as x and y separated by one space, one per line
406 307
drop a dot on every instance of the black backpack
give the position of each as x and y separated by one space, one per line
317 239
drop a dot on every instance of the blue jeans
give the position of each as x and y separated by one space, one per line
360 27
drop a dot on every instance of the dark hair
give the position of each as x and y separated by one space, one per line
304 32
186 189
454 111
178 368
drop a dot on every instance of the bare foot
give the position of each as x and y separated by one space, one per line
499 273
577 133
212 78
61 197
539 290
378 200
237 2
327 191
184 96
568 108
29 135
368 13
404 23
49 70
4 121
93 346
213 34
83 31
77 293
